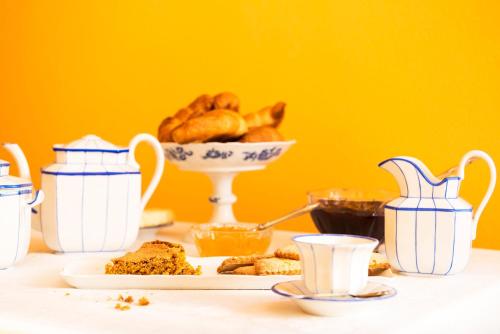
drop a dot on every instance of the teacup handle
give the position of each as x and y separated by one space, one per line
160 163
491 187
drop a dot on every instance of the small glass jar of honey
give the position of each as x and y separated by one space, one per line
234 239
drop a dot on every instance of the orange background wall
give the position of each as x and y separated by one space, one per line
364 81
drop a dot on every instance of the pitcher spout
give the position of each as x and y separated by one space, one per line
416 180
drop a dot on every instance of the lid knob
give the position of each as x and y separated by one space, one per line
91 137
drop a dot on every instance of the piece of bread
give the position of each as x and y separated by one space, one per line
261 134
153 258
290 252
219 124
226 100
277 266
271 116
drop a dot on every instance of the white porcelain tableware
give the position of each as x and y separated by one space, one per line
331 305
429 229
16 202
93 194
222 162
88 273
335 263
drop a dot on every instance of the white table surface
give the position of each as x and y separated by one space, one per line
34 299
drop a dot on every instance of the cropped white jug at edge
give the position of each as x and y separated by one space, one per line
16 202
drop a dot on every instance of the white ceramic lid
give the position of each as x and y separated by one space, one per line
12 185
4 167
91 150
90 143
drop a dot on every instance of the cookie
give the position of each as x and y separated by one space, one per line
246 270
288 252
232 263
277 266
378 264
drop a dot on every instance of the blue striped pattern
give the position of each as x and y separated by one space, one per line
390 207
90 173
126 220
107 215
17 193
454 237
91 150
15 186
435 236
21 209
416 228
297 290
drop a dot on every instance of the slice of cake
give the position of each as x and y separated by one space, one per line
153 258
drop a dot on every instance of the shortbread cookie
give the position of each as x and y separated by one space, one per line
378 264
246 270
276 266
288 252
232 263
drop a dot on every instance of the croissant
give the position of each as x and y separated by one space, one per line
169 124
201 104
220 124
272 116
261 134
226 100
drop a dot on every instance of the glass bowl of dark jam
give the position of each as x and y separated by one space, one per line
350 211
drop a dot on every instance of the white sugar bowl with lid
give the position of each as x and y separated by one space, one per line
93 197
16 202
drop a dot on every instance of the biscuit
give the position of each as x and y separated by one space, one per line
232 263
246 270
276 266
290 252
378 264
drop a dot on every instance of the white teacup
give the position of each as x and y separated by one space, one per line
335 263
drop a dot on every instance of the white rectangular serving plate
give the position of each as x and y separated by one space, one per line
88 273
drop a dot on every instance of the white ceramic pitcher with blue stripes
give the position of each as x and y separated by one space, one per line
429 229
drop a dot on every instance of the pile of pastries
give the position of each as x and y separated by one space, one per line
218 119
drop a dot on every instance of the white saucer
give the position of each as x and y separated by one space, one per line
332 305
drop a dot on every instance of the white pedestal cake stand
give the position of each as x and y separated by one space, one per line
222 162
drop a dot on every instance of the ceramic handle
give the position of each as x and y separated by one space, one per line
160 163
491 187
39 197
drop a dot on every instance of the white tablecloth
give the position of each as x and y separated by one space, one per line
33 298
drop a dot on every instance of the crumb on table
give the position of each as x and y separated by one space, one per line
143 301
121 307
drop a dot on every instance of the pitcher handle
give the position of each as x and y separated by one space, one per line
160 163
491 187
